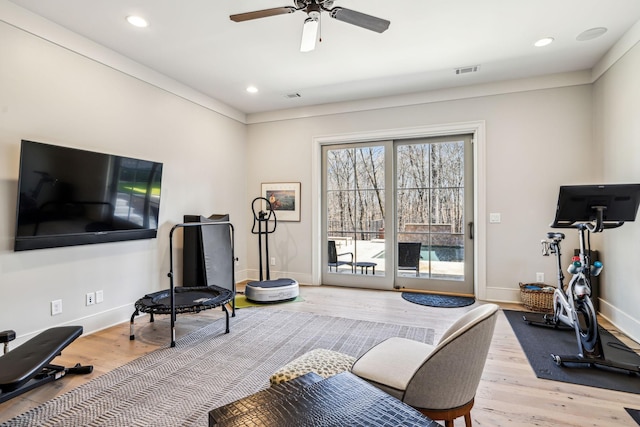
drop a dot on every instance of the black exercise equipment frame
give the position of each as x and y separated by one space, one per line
37 353
261 218
171 310
589 209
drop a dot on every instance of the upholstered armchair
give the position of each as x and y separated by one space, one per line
438 380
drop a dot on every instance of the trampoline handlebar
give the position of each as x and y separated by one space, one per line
170 274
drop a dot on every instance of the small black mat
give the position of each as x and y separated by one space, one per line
539 342
434 300
635 414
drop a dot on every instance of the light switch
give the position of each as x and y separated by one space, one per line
494 218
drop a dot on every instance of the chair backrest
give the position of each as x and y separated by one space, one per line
450 376
409 254
333 253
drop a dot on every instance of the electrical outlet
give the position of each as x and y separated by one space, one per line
99 296
539 277
273 260
56 307
91 298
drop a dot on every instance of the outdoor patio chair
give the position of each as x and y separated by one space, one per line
333 257
409 256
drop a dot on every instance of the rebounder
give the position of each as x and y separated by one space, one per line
266 290
218 289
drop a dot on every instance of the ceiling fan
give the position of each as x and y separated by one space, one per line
313 9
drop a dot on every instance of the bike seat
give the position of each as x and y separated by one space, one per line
555 236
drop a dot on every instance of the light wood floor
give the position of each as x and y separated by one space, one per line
509 393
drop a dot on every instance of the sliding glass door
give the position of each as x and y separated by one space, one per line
398 214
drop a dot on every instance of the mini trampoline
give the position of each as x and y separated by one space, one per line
218 257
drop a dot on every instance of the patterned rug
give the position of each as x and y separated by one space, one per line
435 300
207 368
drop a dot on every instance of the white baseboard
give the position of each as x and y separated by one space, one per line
624 322
90 324
509 295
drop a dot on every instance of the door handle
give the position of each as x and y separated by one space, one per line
471 230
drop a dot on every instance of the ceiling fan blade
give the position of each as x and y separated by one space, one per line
360 19
239 17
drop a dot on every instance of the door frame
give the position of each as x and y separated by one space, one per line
477 128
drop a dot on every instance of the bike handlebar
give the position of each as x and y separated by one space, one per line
600 223
591 226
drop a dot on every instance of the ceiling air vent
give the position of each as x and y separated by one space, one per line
467 70
293 95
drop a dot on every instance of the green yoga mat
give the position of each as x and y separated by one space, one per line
243 302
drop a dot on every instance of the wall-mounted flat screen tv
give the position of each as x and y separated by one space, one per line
68 197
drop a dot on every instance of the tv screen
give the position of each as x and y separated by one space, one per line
68 197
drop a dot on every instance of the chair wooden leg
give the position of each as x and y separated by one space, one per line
467 419
448 415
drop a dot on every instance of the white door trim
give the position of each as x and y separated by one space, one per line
477 128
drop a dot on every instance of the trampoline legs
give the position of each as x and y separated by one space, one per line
133 316
131 334
226 312
233 307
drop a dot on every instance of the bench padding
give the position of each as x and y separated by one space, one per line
23 363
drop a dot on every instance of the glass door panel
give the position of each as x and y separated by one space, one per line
434 248
354 209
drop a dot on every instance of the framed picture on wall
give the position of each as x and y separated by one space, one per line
284 198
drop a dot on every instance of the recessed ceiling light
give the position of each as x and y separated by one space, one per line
591 34
252 89
544 42
137 21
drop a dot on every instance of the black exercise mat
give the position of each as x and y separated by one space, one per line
635 414
539 342
435 300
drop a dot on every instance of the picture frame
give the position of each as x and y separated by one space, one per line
284 198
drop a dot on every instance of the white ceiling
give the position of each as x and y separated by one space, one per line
195 43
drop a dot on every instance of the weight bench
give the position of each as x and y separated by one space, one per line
28 367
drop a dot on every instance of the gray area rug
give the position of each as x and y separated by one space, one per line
207 368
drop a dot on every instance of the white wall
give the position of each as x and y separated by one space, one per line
538 136
53 95
529 138
617 133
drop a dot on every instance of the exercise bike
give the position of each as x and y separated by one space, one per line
589 209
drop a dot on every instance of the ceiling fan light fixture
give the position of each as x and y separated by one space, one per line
546 41
309 35
137 21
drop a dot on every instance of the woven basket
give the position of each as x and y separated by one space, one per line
540 300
